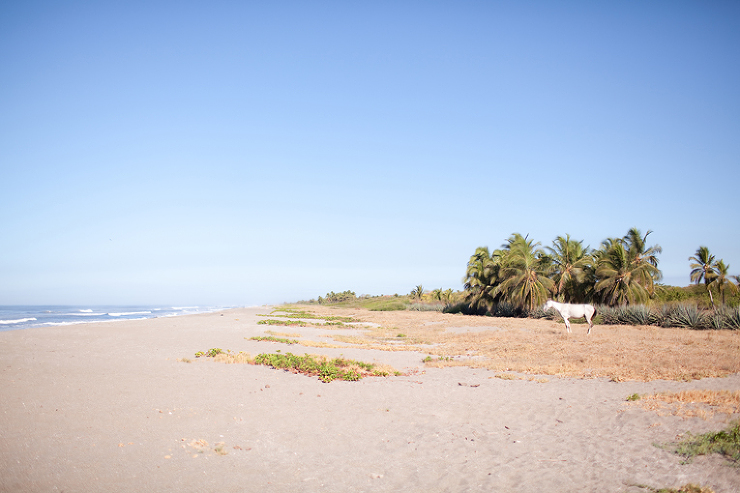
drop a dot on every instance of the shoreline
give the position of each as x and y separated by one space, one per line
101 407
66 315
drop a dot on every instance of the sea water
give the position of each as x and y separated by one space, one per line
24 317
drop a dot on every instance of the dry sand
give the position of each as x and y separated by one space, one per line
108 407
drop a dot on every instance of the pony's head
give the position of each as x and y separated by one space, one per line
548 305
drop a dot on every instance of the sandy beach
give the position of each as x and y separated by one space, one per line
126 407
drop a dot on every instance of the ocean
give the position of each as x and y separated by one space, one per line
24 317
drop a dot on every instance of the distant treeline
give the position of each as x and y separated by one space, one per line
621 277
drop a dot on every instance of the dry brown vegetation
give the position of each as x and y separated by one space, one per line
690 403
543 347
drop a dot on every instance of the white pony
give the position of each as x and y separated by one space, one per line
566 310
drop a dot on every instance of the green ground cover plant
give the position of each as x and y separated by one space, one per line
210 353
274 339
289 312
324 368
283 323
725 442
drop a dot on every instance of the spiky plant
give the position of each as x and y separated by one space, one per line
686 316
641 315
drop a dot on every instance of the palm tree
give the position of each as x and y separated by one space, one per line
447 296
437 294
524 273
722 280
643 256
569 259
622 277
704 268
480 277
417 293
639 250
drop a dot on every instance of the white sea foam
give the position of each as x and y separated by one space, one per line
80 322
55 324
122 314
86 311
18 321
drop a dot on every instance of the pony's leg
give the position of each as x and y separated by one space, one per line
590 324
567 324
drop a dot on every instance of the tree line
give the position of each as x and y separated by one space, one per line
622 271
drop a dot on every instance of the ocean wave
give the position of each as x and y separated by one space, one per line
18 321
56 324
81 322
86 311
86 314
124 314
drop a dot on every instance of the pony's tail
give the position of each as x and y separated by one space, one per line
596 311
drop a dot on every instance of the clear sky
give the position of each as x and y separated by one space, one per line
240 153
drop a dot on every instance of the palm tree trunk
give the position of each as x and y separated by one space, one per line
711 298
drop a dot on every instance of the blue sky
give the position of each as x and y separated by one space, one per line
239 153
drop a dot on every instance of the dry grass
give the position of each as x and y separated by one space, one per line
692 403
234 358
542 346
283 334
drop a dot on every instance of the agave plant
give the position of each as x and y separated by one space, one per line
640 315
733 318
727 318
686 316
715 321
609 315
